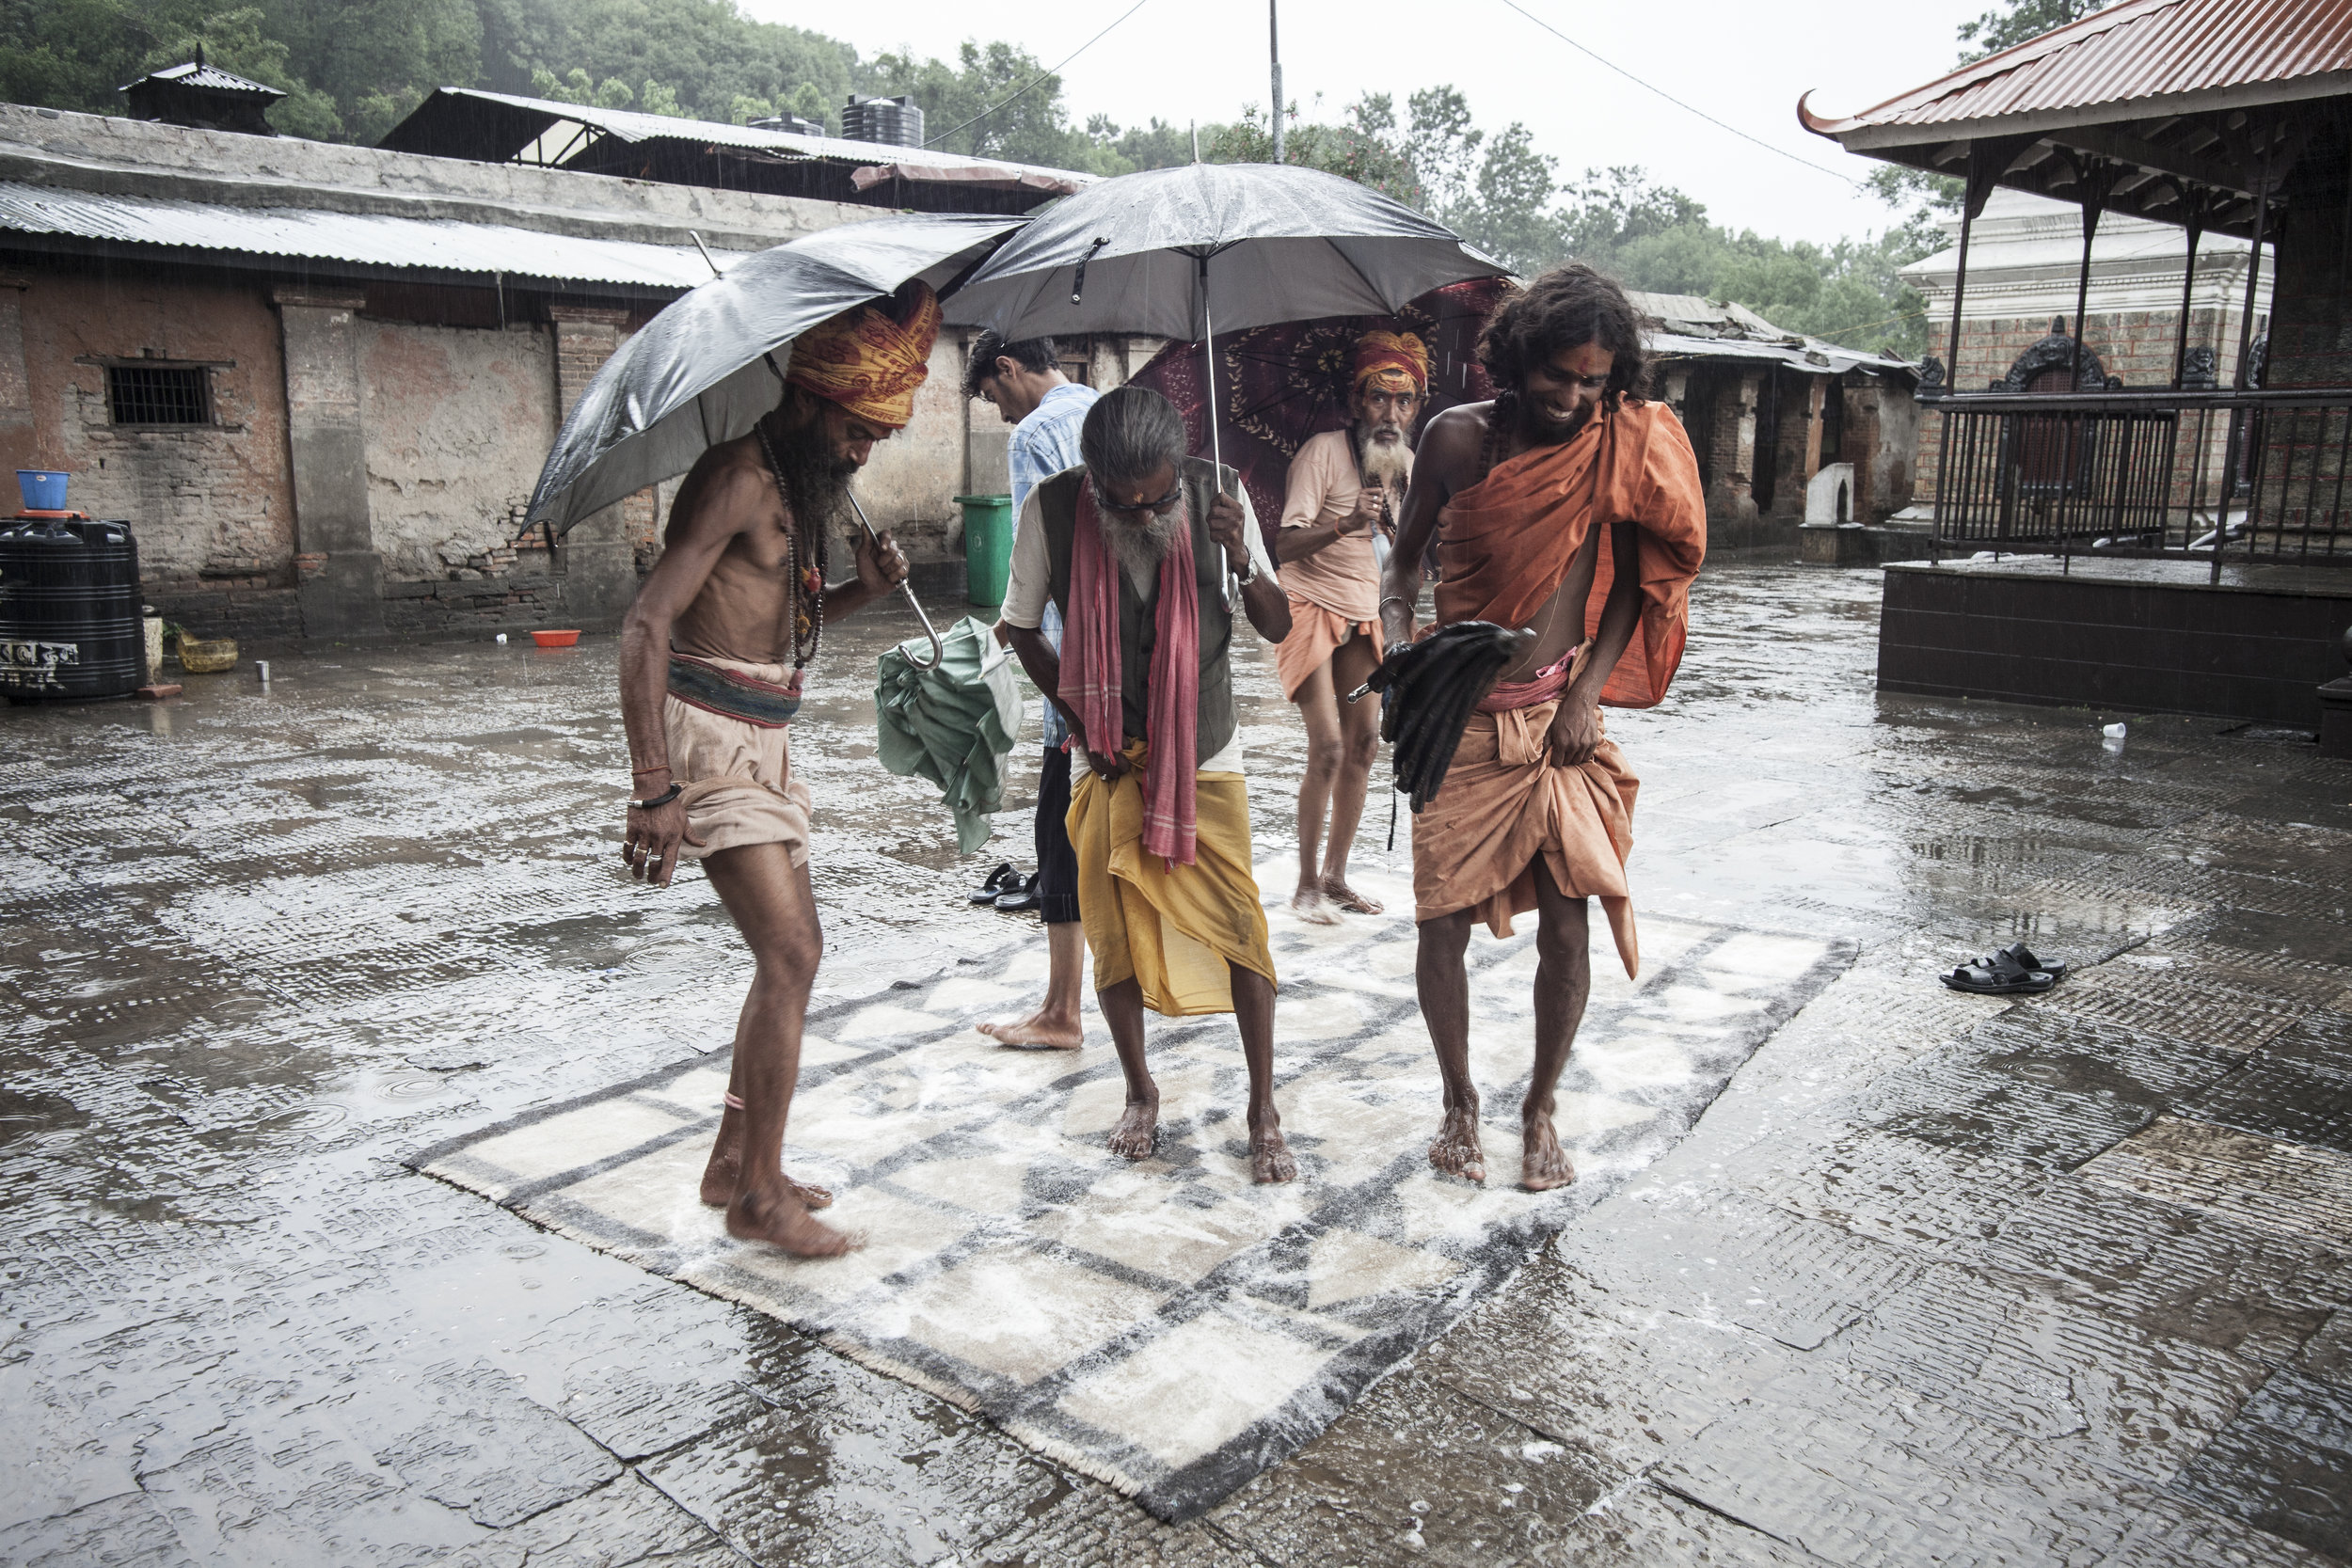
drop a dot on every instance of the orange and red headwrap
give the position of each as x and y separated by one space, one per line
870 361
1392 362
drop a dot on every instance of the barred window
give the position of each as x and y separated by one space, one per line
158 394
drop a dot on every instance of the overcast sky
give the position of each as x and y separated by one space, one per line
1743 63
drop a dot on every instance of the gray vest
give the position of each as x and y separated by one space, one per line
1138 631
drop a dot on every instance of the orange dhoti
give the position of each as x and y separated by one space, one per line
1315 635
1505 545
1505 808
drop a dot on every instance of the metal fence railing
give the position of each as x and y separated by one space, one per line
2248 476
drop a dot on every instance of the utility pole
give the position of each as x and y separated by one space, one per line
1274 53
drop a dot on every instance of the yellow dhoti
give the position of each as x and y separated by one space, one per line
1504 807
1176 930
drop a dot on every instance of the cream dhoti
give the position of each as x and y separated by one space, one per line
725 723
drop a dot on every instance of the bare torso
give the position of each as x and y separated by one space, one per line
1449 461
744 608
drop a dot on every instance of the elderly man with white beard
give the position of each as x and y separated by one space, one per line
1139 547
1346 487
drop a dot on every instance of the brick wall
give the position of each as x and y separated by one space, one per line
212 505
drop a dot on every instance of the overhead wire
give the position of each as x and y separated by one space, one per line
1040 76
1808 163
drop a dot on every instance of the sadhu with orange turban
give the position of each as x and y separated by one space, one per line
1345 488
1392 362
714 662
871 359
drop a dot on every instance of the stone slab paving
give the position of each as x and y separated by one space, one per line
1936 1279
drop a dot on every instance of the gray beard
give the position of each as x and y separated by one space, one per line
1141 548
1380 464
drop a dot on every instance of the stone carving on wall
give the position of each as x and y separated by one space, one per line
2053 353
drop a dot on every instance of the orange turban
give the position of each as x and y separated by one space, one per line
870 361
1392 362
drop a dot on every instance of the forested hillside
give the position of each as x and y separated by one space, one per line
351 69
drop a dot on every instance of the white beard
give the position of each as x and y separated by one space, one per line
1384 465
1141 548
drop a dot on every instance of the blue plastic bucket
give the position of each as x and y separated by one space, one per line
43 489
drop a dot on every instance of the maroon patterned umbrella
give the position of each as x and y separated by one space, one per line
1280 385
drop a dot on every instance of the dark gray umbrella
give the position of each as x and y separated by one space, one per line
1180 253
1134 254
701 372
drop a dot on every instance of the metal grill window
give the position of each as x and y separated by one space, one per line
158 394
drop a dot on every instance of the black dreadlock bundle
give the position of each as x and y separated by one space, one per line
1431 687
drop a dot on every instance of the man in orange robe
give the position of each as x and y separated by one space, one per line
1572 508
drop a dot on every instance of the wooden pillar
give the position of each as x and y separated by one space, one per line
1813 425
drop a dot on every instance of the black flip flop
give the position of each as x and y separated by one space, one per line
1020 895
1999 975
987 891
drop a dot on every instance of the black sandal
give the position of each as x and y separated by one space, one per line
1999 975
2054 968
987 891
1020 895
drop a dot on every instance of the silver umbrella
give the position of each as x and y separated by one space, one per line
1181 252
704 369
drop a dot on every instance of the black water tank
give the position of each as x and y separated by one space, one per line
70 610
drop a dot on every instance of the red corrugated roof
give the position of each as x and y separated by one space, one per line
2135 50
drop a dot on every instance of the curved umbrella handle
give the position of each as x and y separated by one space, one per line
939 649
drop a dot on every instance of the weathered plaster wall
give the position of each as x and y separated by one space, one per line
911 484
210 502
458 421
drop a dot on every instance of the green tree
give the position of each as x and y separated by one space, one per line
1363 148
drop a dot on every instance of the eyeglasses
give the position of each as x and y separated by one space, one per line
1158 508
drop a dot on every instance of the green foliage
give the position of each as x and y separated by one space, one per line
2012 21
1363 148
998 101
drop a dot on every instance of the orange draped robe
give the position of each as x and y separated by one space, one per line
1504 547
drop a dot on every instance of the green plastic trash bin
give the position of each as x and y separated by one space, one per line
987 546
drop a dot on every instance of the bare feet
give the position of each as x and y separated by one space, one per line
726 1170
1041 1028
784 1223
1310 906
1269 1154
1546 1164
1347 898
1139 1130
1456 1152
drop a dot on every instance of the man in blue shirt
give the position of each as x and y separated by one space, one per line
1046 409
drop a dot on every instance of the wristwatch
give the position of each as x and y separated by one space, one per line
1246 572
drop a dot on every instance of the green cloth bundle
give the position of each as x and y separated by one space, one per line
953 724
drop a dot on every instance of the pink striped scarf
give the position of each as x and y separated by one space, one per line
1090 679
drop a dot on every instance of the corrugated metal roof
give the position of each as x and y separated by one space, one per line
1809 355
361 238
631 125
2138 49
198 74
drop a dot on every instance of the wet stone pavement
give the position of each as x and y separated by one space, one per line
1937 1279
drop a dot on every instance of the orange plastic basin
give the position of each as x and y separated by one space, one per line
555 638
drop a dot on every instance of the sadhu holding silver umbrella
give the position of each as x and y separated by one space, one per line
712 658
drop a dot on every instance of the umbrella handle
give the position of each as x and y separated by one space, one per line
939 649
1217 452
